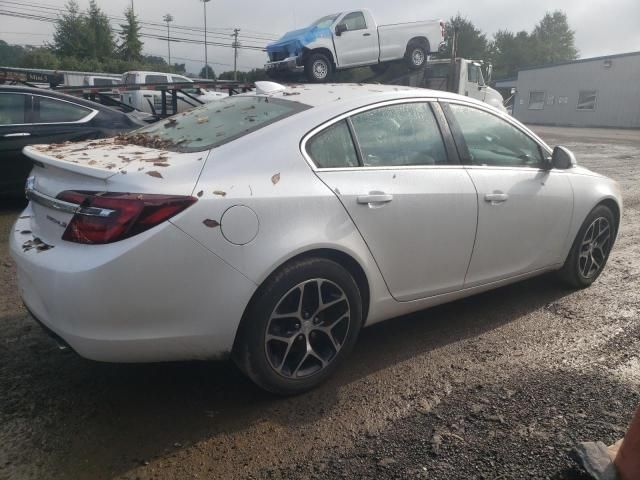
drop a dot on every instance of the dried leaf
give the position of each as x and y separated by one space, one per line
161 164
155 174
220 193
200 193
275 179
211 223
202 119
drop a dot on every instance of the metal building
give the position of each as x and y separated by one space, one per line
592 92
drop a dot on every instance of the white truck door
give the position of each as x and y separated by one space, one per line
356 40
474 82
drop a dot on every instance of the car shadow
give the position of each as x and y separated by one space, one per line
120 415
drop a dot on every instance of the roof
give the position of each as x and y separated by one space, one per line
581 60
316 95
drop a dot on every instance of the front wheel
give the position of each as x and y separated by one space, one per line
590 249
318 68
301 326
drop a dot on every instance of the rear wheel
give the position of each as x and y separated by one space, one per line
318 68
301 326
416 55
590 249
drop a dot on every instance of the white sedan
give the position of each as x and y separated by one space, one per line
273 226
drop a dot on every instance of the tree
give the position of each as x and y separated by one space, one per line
130 47
179 68
472 43
11 55
510 52
98 34
208 70
69 36
553 39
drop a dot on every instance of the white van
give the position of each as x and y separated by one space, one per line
144 100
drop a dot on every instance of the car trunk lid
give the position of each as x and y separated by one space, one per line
101 166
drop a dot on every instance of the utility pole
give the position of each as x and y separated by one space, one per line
206 58
168 18
236 45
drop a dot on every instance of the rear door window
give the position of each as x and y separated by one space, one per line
13 108
50 110
216 123
333 147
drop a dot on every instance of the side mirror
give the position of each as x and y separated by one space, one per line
340 29
563 158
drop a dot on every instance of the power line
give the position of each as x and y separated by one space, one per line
31 16
210 31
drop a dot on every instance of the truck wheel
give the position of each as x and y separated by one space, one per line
416 55
318 68
380 68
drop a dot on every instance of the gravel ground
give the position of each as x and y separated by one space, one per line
500 385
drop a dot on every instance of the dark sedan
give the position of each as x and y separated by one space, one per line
32 116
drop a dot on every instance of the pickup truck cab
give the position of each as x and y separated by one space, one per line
353 39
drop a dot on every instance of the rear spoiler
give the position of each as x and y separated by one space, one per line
43 160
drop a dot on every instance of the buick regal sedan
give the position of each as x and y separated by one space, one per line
271 227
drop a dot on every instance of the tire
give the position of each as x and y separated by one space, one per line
318 68
590 249
380 68
416 55
292 354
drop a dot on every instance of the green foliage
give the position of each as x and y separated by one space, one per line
69 37
98 35
472 43
207 72
553 39
130 48
11 54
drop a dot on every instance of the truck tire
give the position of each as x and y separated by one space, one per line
318 68
416 55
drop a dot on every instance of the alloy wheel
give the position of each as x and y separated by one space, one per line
307 328
594 248
320 69
417 57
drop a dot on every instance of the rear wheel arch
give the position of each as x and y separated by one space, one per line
423 41
338 256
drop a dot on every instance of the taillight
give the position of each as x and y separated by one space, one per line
104 217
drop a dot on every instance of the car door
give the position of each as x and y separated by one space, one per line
524 208
358 44
414 205
15 134
475 88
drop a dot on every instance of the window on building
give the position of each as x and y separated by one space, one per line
587 100
536 100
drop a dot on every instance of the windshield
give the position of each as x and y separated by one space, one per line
214 124
325 22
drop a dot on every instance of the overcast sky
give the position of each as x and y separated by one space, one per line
602 26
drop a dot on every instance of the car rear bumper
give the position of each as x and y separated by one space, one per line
158 296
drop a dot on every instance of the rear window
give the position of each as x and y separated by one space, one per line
156 79
215 123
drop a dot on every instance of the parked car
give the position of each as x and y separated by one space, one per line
353 39
101 81
150 101
34 115
272 227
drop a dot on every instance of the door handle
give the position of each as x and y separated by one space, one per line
21 134
373 198
496 198
366 34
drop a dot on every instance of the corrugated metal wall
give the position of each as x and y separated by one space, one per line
615 79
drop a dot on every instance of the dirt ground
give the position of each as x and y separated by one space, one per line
498 386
